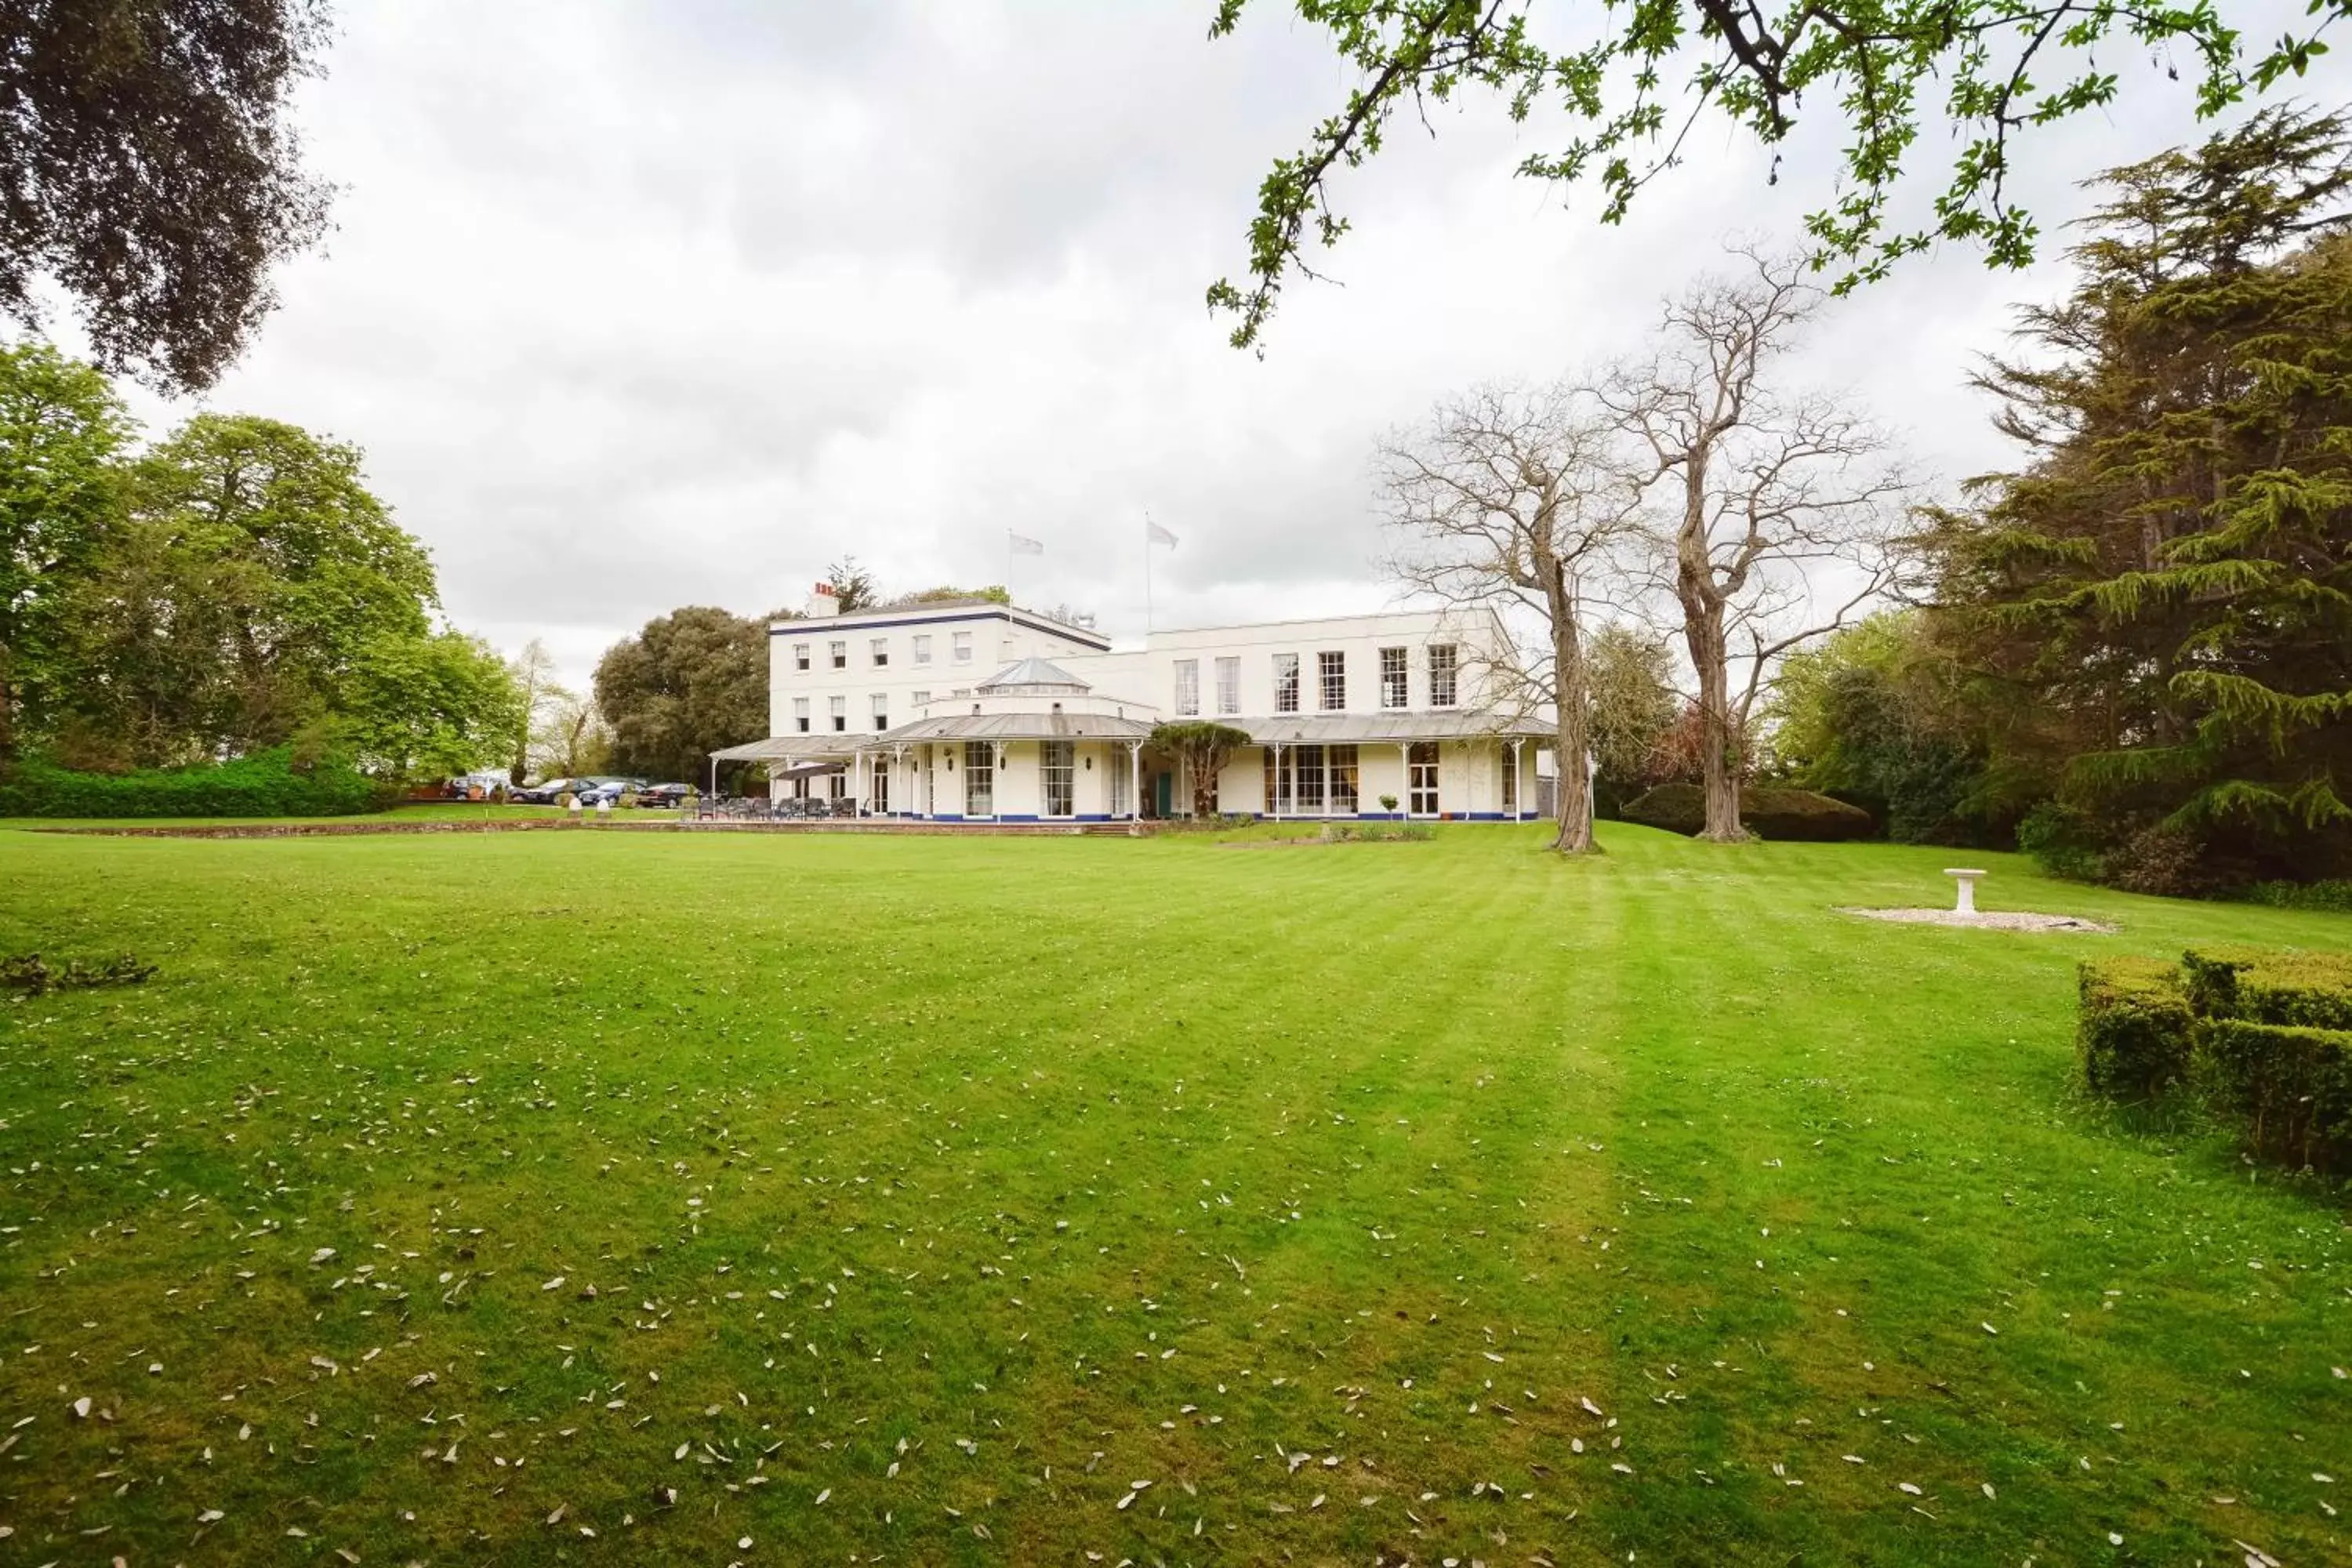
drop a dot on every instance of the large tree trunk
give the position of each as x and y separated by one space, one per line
1571 746
7 713
1703 633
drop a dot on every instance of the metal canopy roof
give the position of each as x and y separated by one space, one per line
1327 729
788 748
1017 727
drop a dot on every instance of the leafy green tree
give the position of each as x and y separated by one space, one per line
1203 747
1629 681
1648 71
2165 592
689 683
1883 715
62 431
252 572
149 167
853 587
428 707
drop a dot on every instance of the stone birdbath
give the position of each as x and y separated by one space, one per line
1967 878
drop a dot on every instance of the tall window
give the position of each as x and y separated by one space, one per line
979 779
881 646
1306 781
840 652
1308 762
881 711
1393 686
800 656
922 647
1420 779
1510 783
1286 683
963 647
1118 785
1057 761
1331 671
799 714
1229 685
1188 687
840 706
1342 761
1441 674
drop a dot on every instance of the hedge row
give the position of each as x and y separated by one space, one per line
1768 812
265 785
2264 1039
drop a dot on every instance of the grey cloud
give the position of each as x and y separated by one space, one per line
636 306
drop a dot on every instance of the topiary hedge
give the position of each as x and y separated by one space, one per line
263 785
2134 1027
2265 1038
2289 1085
1797 815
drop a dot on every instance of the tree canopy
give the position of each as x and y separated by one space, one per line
149 167
1647 71
233 589
2165 594
689 683
62 431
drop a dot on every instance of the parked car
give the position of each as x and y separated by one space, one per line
544 792
665 794
473 786
594 792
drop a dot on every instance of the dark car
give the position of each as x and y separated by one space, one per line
544 792
594 792
663 795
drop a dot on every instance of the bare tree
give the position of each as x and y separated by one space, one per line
1770 513
534 675
1509 498
570 737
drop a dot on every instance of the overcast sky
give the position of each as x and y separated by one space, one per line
640 306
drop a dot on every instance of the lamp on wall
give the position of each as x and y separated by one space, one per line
1090 764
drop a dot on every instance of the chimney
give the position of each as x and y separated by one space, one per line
822 601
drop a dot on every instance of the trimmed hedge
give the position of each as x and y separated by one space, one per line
1795 814
2265 1037
2292 1086
2134 1030
263 785
2309 989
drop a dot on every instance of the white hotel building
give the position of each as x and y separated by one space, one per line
978 712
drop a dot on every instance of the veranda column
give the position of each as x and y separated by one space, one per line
1404 778
1135 781
1518 785
1274 793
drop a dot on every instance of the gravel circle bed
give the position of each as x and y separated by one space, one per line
1988 920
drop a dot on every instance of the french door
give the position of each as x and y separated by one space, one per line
979 779
880 803
1421 780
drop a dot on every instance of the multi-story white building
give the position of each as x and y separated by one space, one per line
974 710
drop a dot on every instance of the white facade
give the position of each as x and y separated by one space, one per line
922 709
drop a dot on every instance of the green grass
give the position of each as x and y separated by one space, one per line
1123 1161
421 811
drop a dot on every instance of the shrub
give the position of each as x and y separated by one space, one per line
2059 839
267 784
2134 1030
2265 1038
2334 896
2292 1085
2294 989
1766 811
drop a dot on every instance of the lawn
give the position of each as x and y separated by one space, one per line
633 1197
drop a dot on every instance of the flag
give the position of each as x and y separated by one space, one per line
1019 546
1154 533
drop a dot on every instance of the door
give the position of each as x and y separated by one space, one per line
1420 782
1057 768
1163 795
979 779
880 805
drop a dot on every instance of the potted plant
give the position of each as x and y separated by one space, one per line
1388 804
